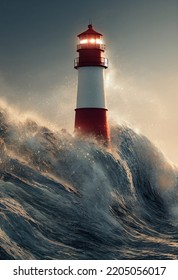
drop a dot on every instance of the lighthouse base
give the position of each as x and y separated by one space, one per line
92 121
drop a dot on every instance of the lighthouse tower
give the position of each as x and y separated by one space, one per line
91 111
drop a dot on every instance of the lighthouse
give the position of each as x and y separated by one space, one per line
91 111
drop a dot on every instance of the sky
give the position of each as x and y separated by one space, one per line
38 45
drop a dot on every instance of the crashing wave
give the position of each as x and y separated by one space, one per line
63 197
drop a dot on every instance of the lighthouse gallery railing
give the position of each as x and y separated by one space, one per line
101 62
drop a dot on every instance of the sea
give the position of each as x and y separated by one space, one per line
67 198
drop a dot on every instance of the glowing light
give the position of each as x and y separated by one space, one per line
92 41
84 41
99 41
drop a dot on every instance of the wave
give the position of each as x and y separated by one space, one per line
62 197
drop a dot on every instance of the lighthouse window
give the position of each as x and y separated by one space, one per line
99 41
92 41
84 41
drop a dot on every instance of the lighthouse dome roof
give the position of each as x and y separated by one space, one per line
89 31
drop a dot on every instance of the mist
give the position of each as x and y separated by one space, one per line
148 105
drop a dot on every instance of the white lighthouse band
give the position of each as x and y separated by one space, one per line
90 93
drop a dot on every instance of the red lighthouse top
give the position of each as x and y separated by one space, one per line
90 49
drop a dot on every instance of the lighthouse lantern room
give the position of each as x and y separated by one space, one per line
91 111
